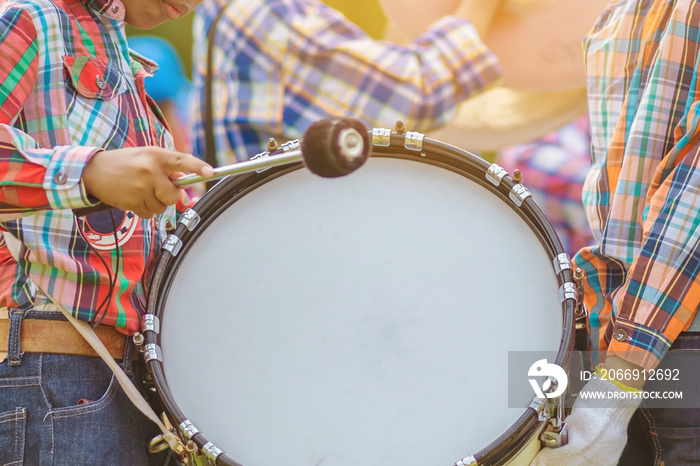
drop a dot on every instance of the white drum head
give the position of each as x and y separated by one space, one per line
363 320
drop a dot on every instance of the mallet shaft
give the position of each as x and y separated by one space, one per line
243 167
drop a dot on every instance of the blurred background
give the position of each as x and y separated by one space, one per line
365 13
170 45
554 166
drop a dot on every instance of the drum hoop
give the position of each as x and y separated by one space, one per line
433 152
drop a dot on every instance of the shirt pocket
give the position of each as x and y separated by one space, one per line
13 426
97 107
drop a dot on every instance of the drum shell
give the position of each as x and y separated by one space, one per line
435 153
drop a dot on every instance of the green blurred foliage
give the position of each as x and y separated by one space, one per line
178 32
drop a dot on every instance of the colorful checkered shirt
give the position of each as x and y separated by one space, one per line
642 194
554 168
280 65
70 87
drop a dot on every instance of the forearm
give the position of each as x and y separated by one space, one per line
421 83
33 178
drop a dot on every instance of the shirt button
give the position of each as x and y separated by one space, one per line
100 82
60 177
621 334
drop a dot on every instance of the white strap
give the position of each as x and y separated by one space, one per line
131 391
12 244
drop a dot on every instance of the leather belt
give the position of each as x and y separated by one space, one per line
60 337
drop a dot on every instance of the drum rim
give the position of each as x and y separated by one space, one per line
442 155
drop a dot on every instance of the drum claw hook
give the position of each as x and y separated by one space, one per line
555 438
166 440
158 444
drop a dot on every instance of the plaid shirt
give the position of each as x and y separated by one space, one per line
69 89
280 65
553 169
642 194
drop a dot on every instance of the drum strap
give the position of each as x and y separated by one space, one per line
209 139
168 435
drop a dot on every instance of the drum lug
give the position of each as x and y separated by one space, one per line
568 291
414 141
288 146
495 174
191 454
150 323
190 218
261 155
537 405
172 244
562 262
468 461
211 452
188 429
152 352
381 137
274 148
518 194
206 457
291 145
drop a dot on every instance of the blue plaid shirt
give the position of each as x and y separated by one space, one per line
281 65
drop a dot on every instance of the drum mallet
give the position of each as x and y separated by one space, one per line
330 148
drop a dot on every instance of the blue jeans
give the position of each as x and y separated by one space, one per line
60 409
670 436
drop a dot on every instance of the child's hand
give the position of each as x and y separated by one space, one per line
138 178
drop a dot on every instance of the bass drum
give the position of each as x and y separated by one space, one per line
362 320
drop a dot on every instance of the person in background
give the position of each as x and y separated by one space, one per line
554 168
169 86
280 66
642 277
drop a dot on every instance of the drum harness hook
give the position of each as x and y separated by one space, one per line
551 411
188 453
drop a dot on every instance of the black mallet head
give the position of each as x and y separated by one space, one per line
335 147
